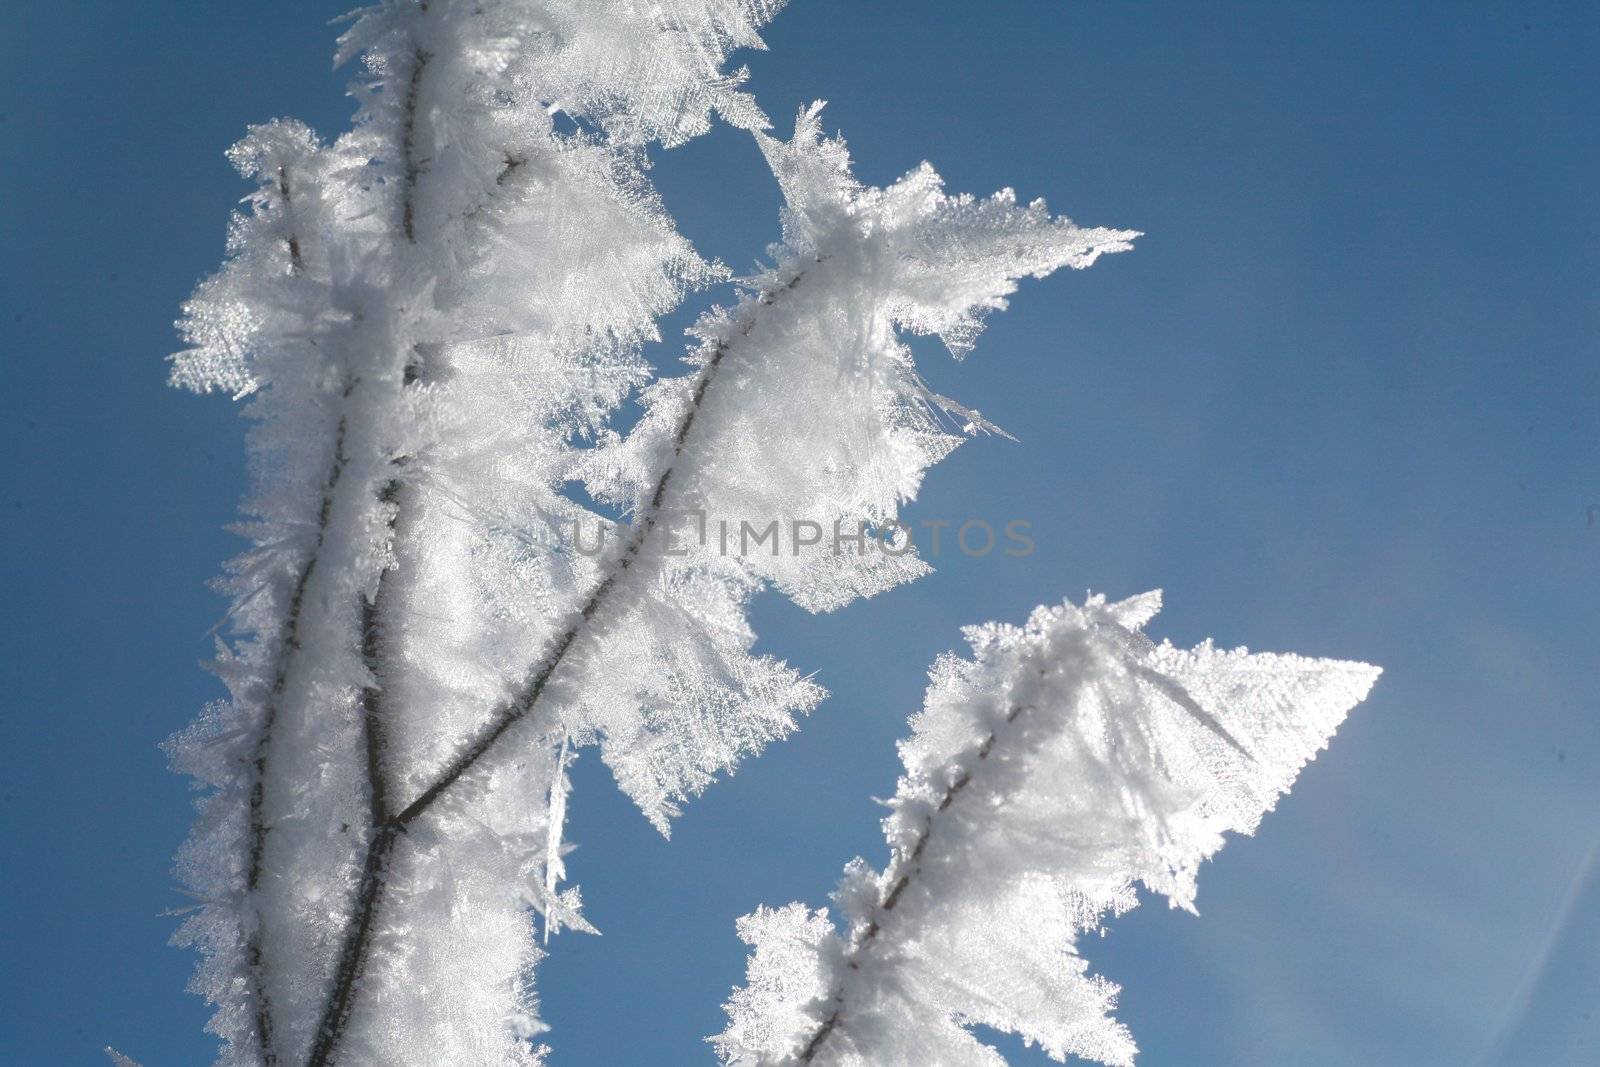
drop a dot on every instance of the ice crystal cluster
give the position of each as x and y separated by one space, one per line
1068 762
427 314
802 402
433 320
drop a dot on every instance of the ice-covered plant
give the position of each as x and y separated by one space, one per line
429 315
426 314
1068 762
434 319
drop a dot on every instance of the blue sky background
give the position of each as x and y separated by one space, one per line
1344 399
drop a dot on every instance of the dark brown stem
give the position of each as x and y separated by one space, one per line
910 865
408 143
296 264
374 727
369 895
288 648
382 828
513 163
336 1012
509 168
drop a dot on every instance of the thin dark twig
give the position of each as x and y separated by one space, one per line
373 612
369 895
910 864
296 264
336 1012
341 1002
519 706
510 167
408 142
337 1008
288 649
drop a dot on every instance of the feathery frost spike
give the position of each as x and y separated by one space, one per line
428 315
1069 761
790 448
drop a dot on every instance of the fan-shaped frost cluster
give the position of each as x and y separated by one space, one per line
1068 762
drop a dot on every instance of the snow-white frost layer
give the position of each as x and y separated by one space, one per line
806 422
426 316
1068 762
432 317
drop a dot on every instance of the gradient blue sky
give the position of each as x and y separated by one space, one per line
1344 399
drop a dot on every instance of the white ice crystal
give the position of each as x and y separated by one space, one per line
803 425
432 319
1069 761
427 315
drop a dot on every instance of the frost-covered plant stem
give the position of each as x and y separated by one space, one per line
902 869
381 829
1068 761
288 647
434 324
355 304
297 264
387 829
373 623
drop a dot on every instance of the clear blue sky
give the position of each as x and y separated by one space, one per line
1344 399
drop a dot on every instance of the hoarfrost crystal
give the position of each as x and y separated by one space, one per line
1069 761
